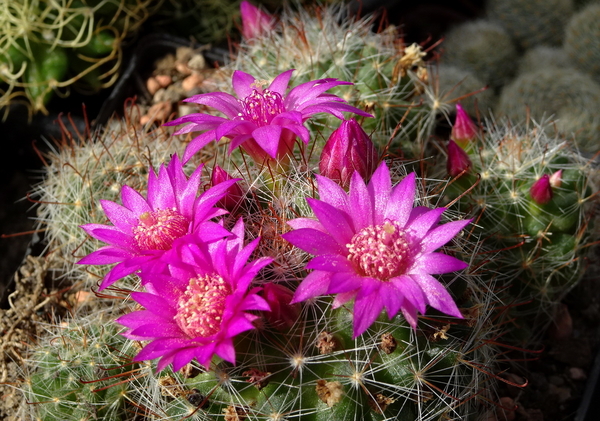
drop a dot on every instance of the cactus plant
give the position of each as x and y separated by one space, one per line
81 170
531 193
484 48
531 23
560 93
325 350
46 47
582 40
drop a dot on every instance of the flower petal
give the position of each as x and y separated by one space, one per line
314 285
439 236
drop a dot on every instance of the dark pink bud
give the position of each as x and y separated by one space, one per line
458 160
541 191
348 149
283 315
255 22
464 130
234 193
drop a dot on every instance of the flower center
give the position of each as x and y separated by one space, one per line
158 229
380 251
260 107
200 309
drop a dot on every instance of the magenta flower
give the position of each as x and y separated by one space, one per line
372 246
255 22
198 307
348 149
263 121
143 229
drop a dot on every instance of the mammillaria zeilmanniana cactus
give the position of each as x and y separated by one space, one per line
204 291
532 194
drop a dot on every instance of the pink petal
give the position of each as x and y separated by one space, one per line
342 282
336 222
105 256
361 203
379 189
120 216
221 101
330 263
134 201
411 291
313 241
198 143
439 236
436 294
401 200
420 226
314 285
242 84
437 263
331 192
366 310
280 83
154 304
268 138
306 223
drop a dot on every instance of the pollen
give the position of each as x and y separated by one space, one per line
260 107
200 309
381 251
157 230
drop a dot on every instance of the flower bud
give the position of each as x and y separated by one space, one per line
234 193
255 22
464 130
348 149
458 160
556 179
541 190
283 315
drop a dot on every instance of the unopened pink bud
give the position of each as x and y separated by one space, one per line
464 130
283 315
348 149
556 179
255 22
541 191
458 160
234 193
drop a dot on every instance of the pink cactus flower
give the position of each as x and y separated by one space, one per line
144 228
198 307
255 22
372 246
263 121
348 149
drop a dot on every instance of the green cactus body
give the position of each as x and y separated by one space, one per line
582 40
567 95
484 48
542 246
81 371
532 23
